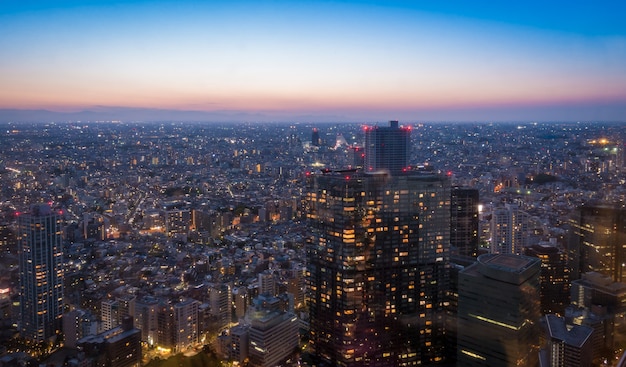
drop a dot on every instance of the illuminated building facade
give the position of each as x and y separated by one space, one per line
41 273
387 148
567 345
498 311
554 278
509 230
597 241
178 325
377 268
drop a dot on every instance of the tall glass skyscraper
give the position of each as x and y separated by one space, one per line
377 267
598 241
464 221
499 311
41 273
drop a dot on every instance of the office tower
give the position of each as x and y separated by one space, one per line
566 345
554 278
315 137
498 311
387 148
377 267
509 230
597 241
273 332
41 273
464 221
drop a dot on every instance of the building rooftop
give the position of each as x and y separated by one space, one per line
508 268
575 335
508 262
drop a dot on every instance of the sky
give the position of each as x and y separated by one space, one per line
342 60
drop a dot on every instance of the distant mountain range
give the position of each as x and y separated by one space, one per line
612 111
159 115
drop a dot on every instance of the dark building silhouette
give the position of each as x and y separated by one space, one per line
315 137
597 241
377 264
41 273
464 221
566 345
554 278
387 148
600 302
498 317
457 264
117 347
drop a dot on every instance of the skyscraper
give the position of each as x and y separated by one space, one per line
464 221
377 266
598 241
554 278
387 148
498 317
41 273
315 137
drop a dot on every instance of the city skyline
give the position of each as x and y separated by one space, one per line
312 61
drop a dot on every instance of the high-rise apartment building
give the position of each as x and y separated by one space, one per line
41 273
267 283
220 300
509 230
178 324
109 314
464 221
377 267
498 311
146 313
387 148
